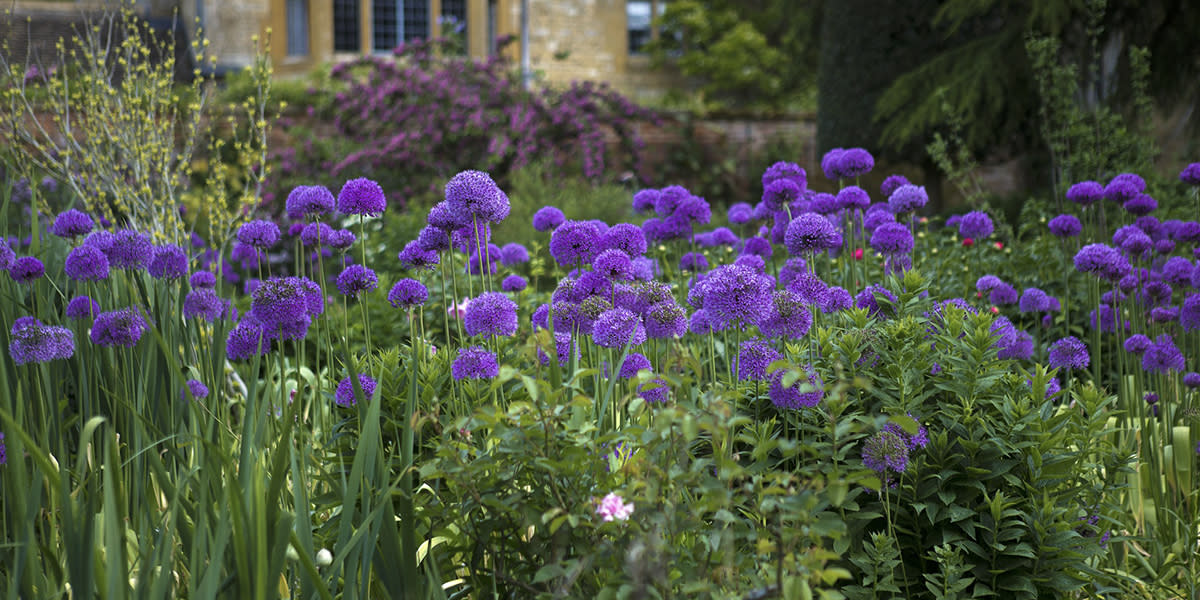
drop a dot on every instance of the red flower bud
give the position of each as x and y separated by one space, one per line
968 242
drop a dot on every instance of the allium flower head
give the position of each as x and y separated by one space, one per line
204 303
618 328
284 306
86 263
1163 355
753 358
633 363
355 279
1104 261
341 239
1033 300
885 451
82 307
492 313
513 283
1137 344
831 163
654 391
1123 187
614 508
892 239
574 243
805 392
736 294
344 396
361 197
869 299
1191 174
852 197
669 199
202 279
780 193
1065 226
626 237
1085 193
168 262
740 213
613 265
908 198
854 162
1068 353
261 234
788 316
1192 379
976 224
33 342
246 339
645 200
475 193
407 293
195 389
122 327
72 223
892 183
547 218
443 216
693 261
1189 313
1140 205
666 320
785 170
315 233
475 362
26 269
310 201
810 233
7 256
414 257
513 254
823 204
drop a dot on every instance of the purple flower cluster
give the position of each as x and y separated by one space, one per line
345 396
805 392
492 313
122 327
355 279
1068 353
361 197
71 224
475 362
33 342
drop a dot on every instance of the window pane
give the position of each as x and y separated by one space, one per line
637 16
345 26
385 24
297 27
416 19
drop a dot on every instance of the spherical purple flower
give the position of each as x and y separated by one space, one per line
316 233
1104 261
855 162
1140 204
82 307
1033 300
361 197
892 239
803 393
513 254
736 294
341 239
869 299
445 217
853 197
823 204
246 340
1163 356
204 303
168 262
474 363
547 218
780 193
26 269
1178 270
626 237
407 293
574 243
122 327
344 396
1018 346
695 209
33 342
693 261
654 391
975 224
808 287
1163 314
908 198
788 316
810 233
492 313
1189 313
1085 193
72 223
618 328
202 279
700 323
613 265
309 201
886 451
892 183
757 246
669 199
513 283
129 250
356 279
1065 226
593 283
875 218
7 256
644 201
666 320
740 213
1124 187
414 257
1105 319
475 193
754 358
284 306
1068 353
633 363
1190 174
1192 379
194 388
260 234
1003 294
785 170
831 162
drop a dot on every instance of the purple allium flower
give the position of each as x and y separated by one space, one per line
1163 314
780 193
82 307
830 163
854 162
920 439
810 233
869 299
1106 262
633 363
823 204
129 250
626 237
433 239
1192 380
1178 271
309 201
547 218
976 224
414 257
755 262
541 317
892 182
618 328
753 358
666 320
283 306
361 197
1123 187
513 283
474 363
788 316
563 346
740 213
1141 204
736 294
693 261
356 279
344 396
33 342
194 388
613 265
873 220
513 254
1018 346
86 263
1033 300
1190 174
1105 320
407 293
645 200
261 234
1003 294
1068 353
1185 231
852 197
492 313
7 256
908 198
669 199
785 170
72 223
26 269
885 451
476 194
443 216
202 279
757 246
892 239
1156 293
795 397
168 262
574 243
592 283
695 209
654 391
316 233
245 338
1085 193
809 288
204 303
1163 356
1189 313
122 327
3 450
1137 344
341 239
700 323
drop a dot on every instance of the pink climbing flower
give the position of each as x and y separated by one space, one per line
613 508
